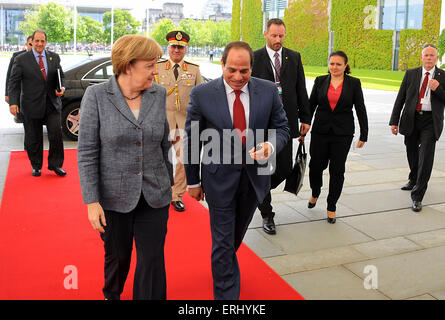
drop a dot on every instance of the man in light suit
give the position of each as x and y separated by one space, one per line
283 67
33 84
232 181
420 101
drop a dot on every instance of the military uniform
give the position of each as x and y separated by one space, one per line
178 96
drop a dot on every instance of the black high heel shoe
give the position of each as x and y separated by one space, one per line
310 204
331 220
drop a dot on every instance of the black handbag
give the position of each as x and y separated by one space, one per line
294 181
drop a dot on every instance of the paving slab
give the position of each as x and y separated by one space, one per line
407 275
428 239
397 223
386 247
334 283
260 245
423 297
317 235
284 215
319 212
319 259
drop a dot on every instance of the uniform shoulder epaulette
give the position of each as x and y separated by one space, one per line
193 64
162 60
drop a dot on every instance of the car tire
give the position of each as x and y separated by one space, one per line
70 120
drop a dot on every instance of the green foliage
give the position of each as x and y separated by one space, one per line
252 23
161 29
124 23
441 44
354 33
202 33
307 30
89 30
56 20
412 41
235 34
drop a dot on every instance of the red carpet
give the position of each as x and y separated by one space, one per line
47 242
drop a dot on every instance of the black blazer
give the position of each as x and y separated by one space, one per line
15 54
341 119
28 88
295 98
407 100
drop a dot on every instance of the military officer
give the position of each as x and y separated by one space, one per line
178 77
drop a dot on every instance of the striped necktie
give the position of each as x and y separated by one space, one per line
277 67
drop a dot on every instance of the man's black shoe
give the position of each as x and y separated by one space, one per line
409 186
178 205
417 206
269 225
36 172
59 171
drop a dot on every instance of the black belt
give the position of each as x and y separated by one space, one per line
423 112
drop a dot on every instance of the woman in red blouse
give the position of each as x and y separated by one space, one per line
332 99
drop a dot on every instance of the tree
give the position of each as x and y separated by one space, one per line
89 30
124 23
56 20
161 29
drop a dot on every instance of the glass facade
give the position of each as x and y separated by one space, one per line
401 14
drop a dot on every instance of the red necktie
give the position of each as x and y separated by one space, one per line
42 67
239 117
422 92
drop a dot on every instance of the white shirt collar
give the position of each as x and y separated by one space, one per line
431 72
272 52
229 89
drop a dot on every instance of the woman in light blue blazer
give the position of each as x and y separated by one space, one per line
124 168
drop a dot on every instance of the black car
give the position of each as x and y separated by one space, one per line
77 78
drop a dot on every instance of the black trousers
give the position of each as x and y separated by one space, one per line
34 138
283 168
148 227
332 150
420 148
228 226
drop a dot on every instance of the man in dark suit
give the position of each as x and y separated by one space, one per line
34 83
28 46
420 101
283 67
238 113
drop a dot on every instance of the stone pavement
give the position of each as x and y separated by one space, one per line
375 226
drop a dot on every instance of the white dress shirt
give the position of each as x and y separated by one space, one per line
426 105
272 59
244 97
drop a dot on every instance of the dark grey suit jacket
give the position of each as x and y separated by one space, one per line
28 88
120 156
408 96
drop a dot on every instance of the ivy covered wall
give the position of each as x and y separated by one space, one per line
412 41
366 47
307 30
252 23
236 16
353 25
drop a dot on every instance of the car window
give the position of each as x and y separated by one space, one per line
109 69
98 73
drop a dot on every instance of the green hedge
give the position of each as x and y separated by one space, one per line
252 23
307 30
366 48
236 18
412 41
